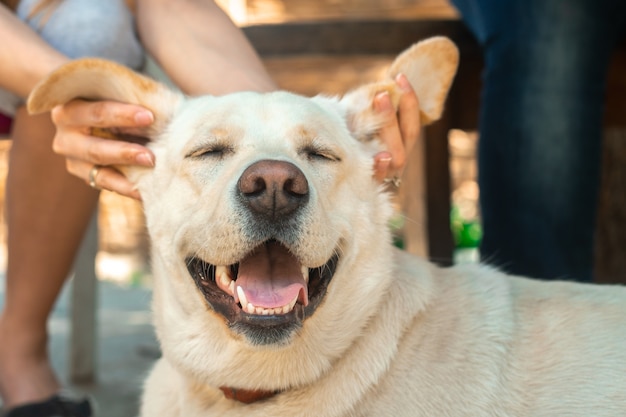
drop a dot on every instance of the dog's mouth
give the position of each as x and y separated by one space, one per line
267 289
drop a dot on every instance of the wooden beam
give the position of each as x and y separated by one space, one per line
84 305
370 37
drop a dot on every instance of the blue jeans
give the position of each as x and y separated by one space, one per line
540 129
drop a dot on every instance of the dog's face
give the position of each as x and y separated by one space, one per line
270 243
255 203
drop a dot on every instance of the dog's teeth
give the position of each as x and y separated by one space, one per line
231 287
260 311
287 308
242 298
250 308
223 279
305 274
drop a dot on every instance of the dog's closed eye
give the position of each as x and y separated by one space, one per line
212 150
316 152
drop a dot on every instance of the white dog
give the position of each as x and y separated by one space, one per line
277 289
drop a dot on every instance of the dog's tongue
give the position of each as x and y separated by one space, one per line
271 277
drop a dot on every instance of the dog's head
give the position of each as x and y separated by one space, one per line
267 227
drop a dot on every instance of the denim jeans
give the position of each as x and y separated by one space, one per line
540 129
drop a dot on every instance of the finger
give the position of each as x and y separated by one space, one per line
106 178
390 131
104 114
99 151
113 180
382 161
408 114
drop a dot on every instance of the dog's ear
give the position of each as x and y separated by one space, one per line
430 67
98 79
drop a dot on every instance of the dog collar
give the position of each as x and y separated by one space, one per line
246 396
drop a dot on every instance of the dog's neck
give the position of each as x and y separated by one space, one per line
246 396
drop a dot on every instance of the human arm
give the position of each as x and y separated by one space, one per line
200 48
25 58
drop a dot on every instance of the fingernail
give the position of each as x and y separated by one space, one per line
144 117
380 168
383 160
403 82
383 101
384 157
145 158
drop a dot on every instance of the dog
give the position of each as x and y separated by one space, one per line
278 291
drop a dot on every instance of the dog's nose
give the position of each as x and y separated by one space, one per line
273 188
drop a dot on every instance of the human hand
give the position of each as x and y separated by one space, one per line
92 158
399 133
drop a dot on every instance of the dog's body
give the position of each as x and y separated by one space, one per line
278 291
467 341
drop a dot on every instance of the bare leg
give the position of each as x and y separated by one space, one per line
47 213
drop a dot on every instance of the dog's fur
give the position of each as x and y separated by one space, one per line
391 335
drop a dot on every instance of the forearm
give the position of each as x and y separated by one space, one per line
25 58
199 47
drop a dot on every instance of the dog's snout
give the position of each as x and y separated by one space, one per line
273 188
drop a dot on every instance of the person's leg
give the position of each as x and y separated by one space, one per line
47 208
540 131
47 213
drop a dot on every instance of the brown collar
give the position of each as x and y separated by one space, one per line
246 396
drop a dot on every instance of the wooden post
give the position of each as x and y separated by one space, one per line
83 308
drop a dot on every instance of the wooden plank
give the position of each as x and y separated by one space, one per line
266 11
83 313
610 263
310 75
615 110
438 191
367 37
